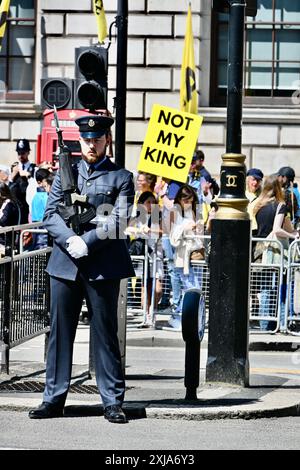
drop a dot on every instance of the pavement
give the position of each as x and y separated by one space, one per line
155 379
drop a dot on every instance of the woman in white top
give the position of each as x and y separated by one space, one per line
146 228
273 221
187 223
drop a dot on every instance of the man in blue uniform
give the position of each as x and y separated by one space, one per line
91 266
22 175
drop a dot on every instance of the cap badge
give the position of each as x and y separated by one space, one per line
91 123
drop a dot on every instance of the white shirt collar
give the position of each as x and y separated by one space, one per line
26 165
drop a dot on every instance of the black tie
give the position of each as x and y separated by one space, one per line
23 166
91 169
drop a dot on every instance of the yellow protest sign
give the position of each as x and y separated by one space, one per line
170 143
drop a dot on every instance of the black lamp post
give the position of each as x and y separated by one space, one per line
120 103
230 242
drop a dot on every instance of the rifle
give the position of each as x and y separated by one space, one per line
75 209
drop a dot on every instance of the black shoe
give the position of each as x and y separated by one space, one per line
294 326
46 410
163 306
115 414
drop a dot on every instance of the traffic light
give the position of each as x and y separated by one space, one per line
222 6
91 66
58 92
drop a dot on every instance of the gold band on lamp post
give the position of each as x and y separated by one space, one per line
232 201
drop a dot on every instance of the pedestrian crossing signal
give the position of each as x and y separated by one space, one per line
58 92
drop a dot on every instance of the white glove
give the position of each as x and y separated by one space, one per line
76 247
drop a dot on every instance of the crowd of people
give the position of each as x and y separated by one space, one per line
24 188
274 208
167 214
186 210
167 218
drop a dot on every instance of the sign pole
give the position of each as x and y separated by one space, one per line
122 26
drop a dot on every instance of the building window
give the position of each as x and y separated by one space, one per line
271 54
18 53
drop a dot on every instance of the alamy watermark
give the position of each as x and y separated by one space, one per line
112 221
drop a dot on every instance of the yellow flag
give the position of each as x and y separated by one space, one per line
3 17
188 92
98 9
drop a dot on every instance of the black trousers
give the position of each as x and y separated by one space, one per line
102 302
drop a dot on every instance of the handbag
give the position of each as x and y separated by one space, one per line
272 252
197 255
196 249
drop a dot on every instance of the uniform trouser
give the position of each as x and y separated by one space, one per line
66 303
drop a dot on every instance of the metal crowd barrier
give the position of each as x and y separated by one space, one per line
137 301
266 288
24 290
201 271
292 305
24 293
146 266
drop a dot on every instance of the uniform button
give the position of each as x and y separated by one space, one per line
108 192
89 184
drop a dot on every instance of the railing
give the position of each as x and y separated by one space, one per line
24 293
24 290
292 305
266 283
266 287
137 299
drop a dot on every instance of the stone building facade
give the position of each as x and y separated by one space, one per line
156 28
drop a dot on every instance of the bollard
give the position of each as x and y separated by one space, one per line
193 325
